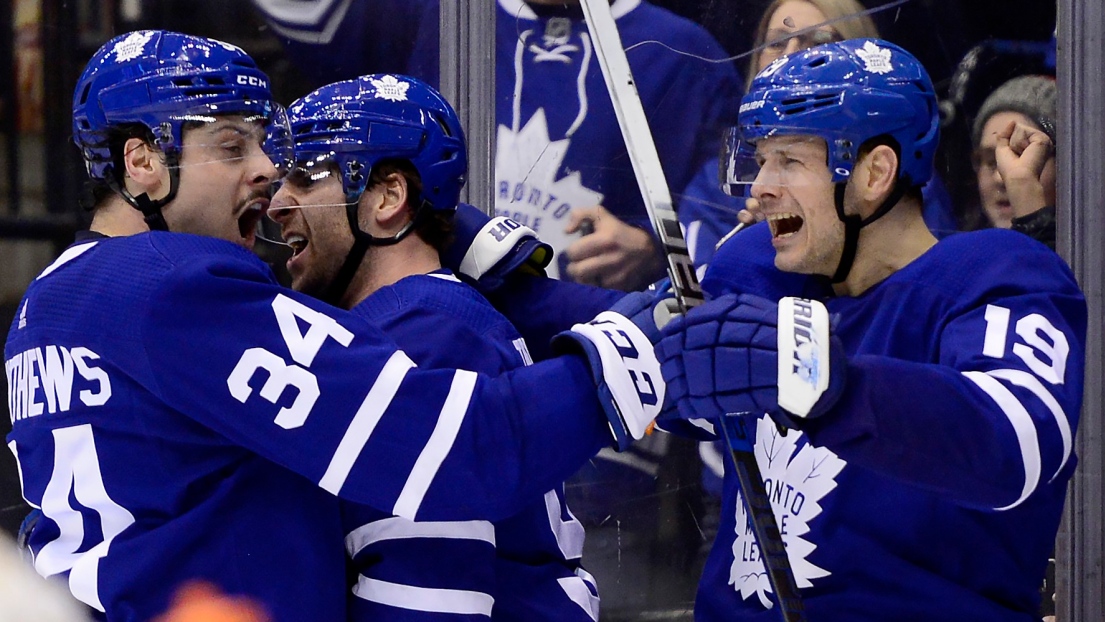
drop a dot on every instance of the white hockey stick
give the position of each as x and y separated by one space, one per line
642 150
657 197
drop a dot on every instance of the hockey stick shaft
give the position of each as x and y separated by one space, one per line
657 198
761 516
642 151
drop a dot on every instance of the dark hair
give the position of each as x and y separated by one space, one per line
434 226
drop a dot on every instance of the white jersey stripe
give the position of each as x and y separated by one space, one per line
581 590
1032 383
395 528
445 277
297 11
1023 426
287 18
364 422
19 469
441 441
432 600
70 254
569 533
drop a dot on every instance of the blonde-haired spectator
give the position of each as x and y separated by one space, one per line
831 20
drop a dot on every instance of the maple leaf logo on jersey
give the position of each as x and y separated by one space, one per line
132 46
527 186
876 59
391 89
796 481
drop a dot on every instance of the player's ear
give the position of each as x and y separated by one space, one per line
878 172
143 167
389 209
395 190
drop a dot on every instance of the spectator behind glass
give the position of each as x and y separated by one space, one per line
824 21
1015 164
775 36
561 159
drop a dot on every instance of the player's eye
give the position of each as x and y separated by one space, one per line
234 148
298 177
307 176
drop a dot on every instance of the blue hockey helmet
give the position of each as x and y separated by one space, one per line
847 93
357 123
162 80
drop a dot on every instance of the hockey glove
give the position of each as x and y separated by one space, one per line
619 345
741 354
485 250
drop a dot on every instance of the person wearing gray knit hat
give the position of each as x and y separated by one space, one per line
1014 157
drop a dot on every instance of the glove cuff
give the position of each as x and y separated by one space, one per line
499 241
627 373
812 364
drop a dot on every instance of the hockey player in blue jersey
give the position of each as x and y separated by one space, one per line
935 447
559 157
935 386
373 247
178 415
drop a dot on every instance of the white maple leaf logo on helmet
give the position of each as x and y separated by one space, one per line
876 59
132 46
773 67
230 47
391 89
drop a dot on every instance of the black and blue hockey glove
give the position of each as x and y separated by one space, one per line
486 250
619 344
745 354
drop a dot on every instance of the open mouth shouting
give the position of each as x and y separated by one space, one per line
249 218
784 225
297 242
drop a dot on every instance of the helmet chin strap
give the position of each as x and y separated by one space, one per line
150 208
853 223
361 243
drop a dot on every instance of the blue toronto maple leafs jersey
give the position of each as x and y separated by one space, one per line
177 415
934 488
558 144
525 567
